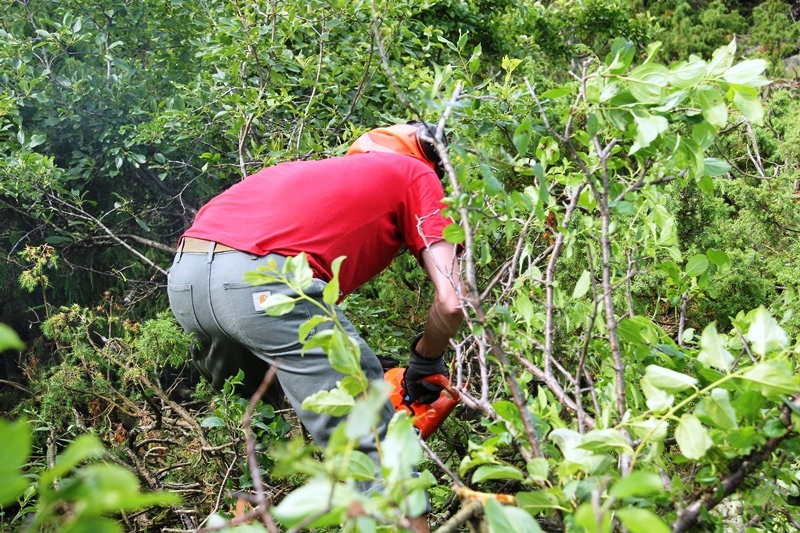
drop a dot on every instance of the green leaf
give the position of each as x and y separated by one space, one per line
36 140
9 339
462 41
354 465
535 502
259 278
743 440
84 447
538 468
630 331
353 385
605 440
646 82
522 137
475 60
330 294
652 429
306 327
712 106
648 128
13 484
298 267
366 413
482 473
713 351
706 185
582 287
491 184
717 409
104 488
692 155
509 519
320 339
335 402
592 124
620 57
765 335
610 91
568 441
640 484
722 59
592 520
747 73
719 259
671 101
747 101
142 224
344 354
509 64
313 499
704 134
278 304
212 422
657 399
639 520
696 265
524 306
400 449
687 74
716 167
454 233
96 525
623 207
15 449
774 428
557 92
668 380
652 50
692 437
774 377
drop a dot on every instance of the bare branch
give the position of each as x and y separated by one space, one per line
81 213
471 511
262 502
687 517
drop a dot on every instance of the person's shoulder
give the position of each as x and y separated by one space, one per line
391 163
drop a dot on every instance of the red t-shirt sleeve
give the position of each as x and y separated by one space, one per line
420 219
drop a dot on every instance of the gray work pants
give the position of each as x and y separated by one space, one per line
210 300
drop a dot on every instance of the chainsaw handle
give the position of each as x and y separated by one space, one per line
440 380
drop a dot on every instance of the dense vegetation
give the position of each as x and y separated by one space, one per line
624 178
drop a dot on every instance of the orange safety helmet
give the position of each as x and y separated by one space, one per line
414 139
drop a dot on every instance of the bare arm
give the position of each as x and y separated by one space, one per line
445 315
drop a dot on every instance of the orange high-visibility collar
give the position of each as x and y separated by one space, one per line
398 139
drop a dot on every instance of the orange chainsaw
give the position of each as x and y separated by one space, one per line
425 416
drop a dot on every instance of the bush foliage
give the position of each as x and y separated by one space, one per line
623 178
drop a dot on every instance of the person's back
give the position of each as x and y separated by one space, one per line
363 206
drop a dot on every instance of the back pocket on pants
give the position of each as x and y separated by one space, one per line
182 305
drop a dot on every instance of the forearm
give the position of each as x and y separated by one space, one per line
443 323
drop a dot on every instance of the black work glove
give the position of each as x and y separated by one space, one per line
388 363
418 368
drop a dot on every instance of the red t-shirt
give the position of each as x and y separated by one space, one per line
363 206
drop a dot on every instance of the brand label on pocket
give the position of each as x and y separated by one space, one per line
260 299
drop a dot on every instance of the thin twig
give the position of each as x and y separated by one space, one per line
472 510
17 386
262 502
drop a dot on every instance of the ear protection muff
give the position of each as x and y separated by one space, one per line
425 139
414 139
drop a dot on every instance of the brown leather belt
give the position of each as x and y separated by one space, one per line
193 245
